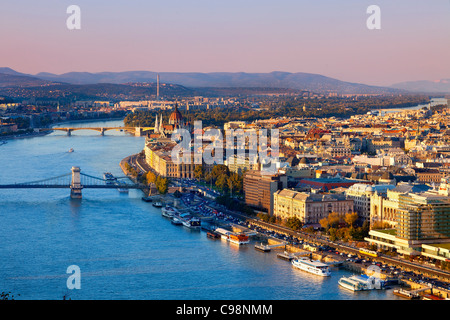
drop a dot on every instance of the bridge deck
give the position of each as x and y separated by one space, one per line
50 186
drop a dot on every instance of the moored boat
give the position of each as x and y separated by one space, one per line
190 222
176 221
312 266
147 199
262 247
286 256
239 239
351 284
406 294
157 204
168 212
361 282
212 235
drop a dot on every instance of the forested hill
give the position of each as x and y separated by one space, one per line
286 107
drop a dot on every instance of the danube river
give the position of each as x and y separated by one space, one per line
123 246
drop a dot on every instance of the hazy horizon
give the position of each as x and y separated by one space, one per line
326 38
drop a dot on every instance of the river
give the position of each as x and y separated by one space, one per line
433 102
123 247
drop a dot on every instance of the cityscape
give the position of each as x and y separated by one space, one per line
250 186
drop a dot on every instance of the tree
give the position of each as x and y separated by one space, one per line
333 234
350 218
198 172
162 185
218 170
208 177
237 182
294 223
221 182
230 186
151 177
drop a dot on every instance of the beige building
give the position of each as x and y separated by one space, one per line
241 164
361 194
308 207
421 225
385 207
159 158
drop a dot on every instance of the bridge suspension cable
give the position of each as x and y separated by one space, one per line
44 181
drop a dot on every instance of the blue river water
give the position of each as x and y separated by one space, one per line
123 246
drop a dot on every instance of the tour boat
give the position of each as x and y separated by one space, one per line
239 239
121 190
351 284
312 266
212 235
176 221
193 223
157 204
361 282
168 211
70 150
406 294
189 221
110 179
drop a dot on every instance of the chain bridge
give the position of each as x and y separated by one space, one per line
76 181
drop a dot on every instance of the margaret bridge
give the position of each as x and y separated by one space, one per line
137 131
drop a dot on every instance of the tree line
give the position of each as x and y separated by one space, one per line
284 107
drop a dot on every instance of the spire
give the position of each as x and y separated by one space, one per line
156 125
160 129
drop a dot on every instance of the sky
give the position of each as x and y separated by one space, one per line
328 37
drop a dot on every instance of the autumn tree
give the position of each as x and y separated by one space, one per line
151 177
350 219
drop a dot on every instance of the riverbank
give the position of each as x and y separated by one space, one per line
25 135
40 134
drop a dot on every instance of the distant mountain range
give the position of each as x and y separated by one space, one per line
283 80
424 86
10 78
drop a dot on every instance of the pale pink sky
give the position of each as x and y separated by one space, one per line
326 37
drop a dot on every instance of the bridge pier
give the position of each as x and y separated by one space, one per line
69 132
138 131
75 186
102 131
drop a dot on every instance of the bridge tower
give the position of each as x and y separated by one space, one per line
75 186
138 131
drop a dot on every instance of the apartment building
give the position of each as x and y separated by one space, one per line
310 208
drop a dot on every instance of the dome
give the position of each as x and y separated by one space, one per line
176 116
304 161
